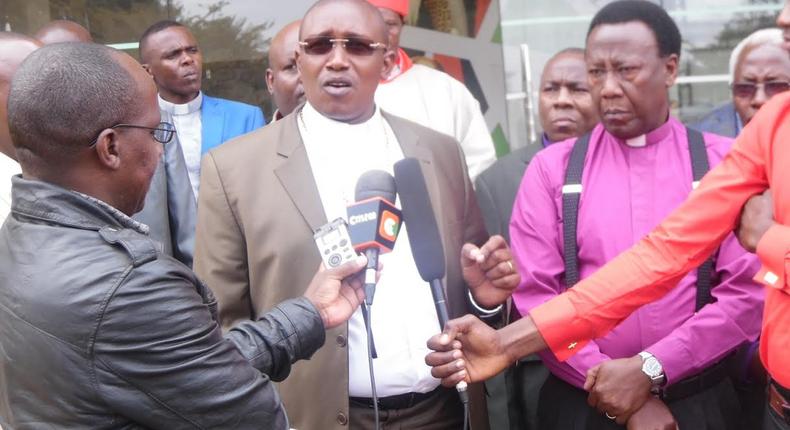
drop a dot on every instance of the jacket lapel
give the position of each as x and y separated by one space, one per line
295 174
212 124
410 143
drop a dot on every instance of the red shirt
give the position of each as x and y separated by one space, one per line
759 159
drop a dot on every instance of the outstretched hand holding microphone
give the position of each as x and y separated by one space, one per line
337 292
487 270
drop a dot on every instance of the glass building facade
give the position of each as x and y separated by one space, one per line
496 47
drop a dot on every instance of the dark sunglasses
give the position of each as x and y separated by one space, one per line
162 133
747 90
357 46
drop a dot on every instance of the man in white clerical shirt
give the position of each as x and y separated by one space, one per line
169 52
262 196
14 48
432 98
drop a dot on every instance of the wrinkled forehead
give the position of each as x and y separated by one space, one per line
341 19
171 38
766 54
628 39
565 67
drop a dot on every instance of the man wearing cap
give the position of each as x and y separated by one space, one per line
432 98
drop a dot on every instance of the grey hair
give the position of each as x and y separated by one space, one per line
766 36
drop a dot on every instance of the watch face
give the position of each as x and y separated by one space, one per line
652 367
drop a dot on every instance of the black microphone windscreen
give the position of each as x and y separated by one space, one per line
375 183
426 243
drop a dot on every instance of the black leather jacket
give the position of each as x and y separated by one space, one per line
100 330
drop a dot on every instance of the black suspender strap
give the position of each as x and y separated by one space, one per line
699 167
571 192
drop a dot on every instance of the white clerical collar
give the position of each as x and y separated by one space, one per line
313 119
637 142
191 106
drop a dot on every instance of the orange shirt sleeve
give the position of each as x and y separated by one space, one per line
772 250
659 261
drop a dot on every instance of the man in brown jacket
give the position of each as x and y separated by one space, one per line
263 194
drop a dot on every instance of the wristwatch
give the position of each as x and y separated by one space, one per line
653 369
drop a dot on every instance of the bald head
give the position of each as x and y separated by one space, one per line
14 48
60 30
285 40
282 77
376 20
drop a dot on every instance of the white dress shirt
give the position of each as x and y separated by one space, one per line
8 168
189 127
438 101
403 314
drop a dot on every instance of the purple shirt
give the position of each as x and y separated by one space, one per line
545 140
628 191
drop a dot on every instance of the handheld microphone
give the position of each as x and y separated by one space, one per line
373 222
423 232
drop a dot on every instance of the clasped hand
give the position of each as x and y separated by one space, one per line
620 390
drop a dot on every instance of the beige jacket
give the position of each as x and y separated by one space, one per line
258 208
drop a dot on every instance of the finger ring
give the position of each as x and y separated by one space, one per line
510 265
609 416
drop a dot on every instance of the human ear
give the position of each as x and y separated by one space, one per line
107 149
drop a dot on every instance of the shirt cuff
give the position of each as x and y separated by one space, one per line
674 357
772 250
561 329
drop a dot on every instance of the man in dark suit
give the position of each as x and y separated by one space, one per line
255 245
566 110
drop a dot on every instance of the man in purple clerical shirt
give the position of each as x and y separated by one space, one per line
637 168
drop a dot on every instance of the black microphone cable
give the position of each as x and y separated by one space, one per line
371 353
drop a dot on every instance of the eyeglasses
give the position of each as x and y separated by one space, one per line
747 90
357 46
162 133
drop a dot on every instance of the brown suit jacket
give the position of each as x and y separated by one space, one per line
258 208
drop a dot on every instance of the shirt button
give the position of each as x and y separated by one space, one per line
341 340
342 419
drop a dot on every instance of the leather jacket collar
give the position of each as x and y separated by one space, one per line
51 203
